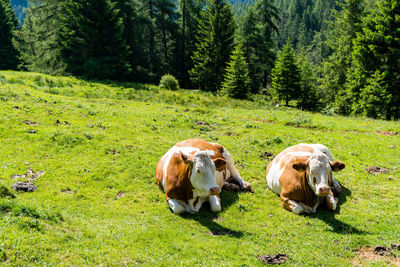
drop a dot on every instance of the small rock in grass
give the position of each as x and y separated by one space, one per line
31 131
16 107
22 186
274 259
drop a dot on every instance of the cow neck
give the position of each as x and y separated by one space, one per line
307 189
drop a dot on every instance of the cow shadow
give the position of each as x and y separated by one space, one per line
329 217
208 219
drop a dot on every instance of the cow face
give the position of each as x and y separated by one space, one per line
202 173
319 171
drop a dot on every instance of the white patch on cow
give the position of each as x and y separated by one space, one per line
333 202
175 206
298 209
273 177
202 177
231 169
319 172
215 203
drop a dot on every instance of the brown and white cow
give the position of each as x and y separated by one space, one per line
194 171
302 175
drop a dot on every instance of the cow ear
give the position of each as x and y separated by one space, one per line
301 166
186 158
337 166
219 163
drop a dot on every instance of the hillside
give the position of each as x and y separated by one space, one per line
97 202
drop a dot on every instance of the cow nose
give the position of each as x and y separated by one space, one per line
214 191
324 191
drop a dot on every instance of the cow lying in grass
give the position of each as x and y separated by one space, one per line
193 172
302 175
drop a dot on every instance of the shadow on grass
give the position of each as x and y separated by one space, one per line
207 218
329 217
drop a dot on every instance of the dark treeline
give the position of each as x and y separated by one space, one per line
323 55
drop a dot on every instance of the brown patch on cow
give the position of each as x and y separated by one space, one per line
267 155
178 180
367 255
273 259
387 133
28 122
376 170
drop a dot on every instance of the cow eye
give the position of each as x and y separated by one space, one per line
198 170
315 180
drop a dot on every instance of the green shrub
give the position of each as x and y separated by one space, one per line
169 82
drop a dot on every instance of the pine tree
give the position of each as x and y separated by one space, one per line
376 54
189 11
8 53
335 69
37 39
237 81
91 40
215 36
286 75
257 31
308 98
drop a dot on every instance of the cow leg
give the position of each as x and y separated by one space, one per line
245 186
175 206
215 203
292 205
331 202
336 187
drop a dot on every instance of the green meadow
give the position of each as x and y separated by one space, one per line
97 203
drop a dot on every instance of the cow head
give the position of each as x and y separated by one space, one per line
319 170
202 172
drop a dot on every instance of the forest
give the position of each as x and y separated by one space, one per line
335 57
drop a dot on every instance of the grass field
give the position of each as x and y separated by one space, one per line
97 202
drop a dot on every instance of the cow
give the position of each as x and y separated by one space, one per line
302 176
193 172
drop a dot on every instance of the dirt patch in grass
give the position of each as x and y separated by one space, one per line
274 259
28 122
30 175
388 133
377 254
376 170
267 155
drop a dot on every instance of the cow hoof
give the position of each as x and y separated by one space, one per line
175 207
247 188
298 209
216 208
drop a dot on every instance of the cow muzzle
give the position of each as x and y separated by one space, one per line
214 190
323 191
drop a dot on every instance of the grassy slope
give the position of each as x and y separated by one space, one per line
76 217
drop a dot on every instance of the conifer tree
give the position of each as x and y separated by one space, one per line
286 75
256 34
376 54
215 36
8 53
308 98
91 40
38 37
237 81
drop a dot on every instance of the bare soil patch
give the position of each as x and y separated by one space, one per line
267 155
273 259
376 170
377 254
388 133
